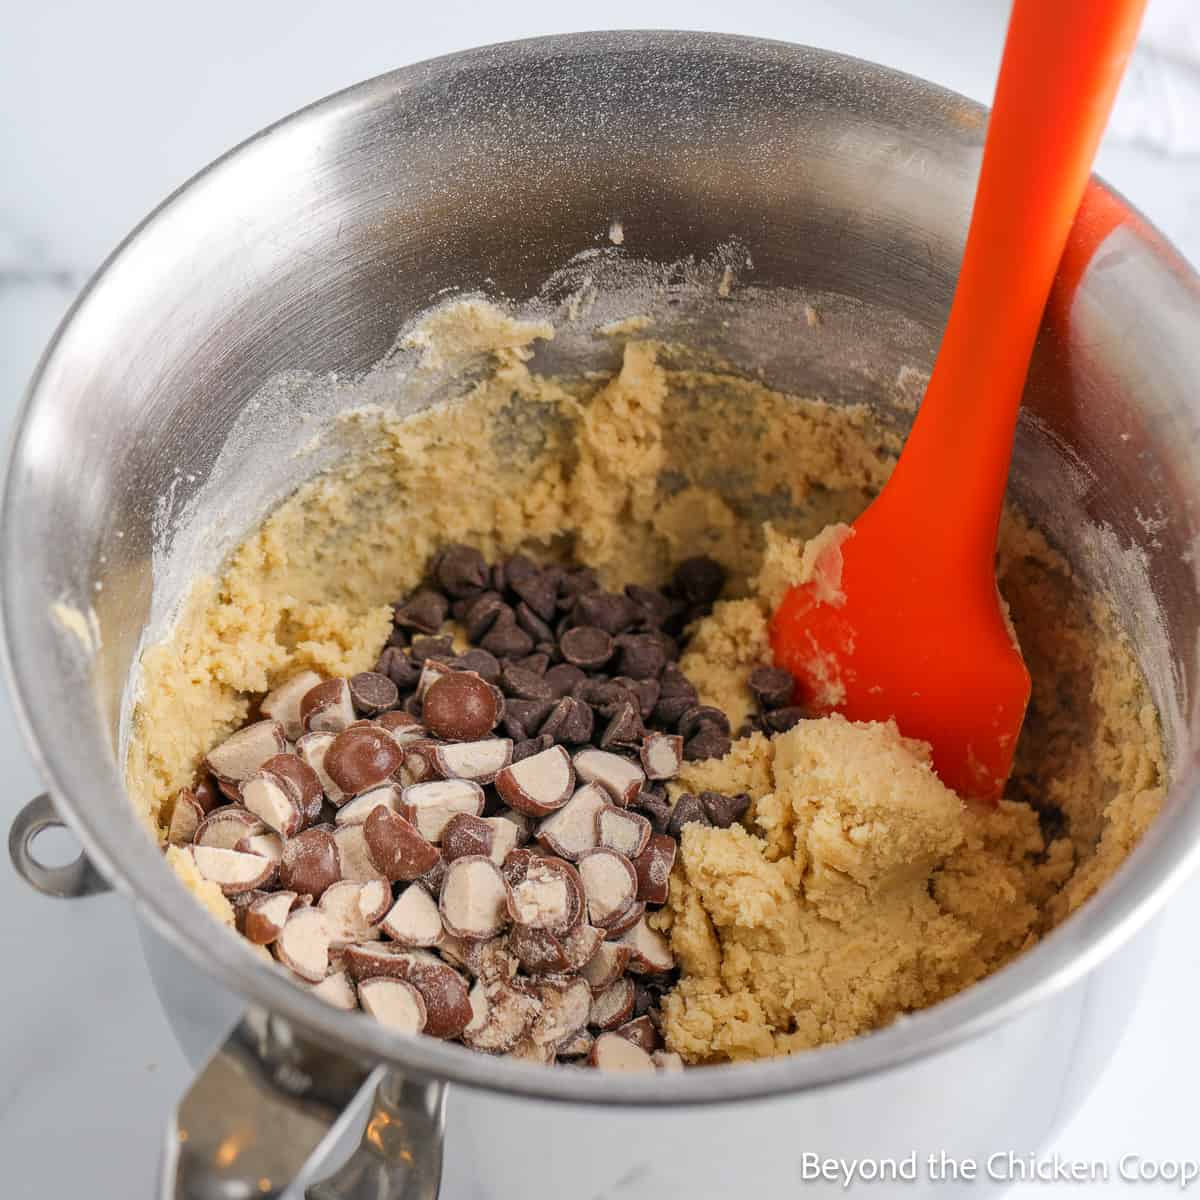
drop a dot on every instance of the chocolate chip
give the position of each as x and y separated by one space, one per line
531 746
710 742
771 686
570 721
698 581
644 1000
539 590
675 683
652 803
1051 820
497 579
782 719
481 613
562 678
605 696
605 610
640 656
661 982
399 668
550 650
654 608
646 692
460 706
413 706
535 663
724 810
461 570
523 718
751 725
701 715
373 692
506 639
399 637
669 709
687 809
533 624
586 647
670 647
485 665
517 568
676 696
522 684
624 729
440 649
424 611
574 584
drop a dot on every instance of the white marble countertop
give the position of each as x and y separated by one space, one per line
108 107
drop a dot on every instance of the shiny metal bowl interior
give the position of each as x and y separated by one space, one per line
309 246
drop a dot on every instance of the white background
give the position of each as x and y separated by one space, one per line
106 107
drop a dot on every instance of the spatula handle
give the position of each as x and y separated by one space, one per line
1063 61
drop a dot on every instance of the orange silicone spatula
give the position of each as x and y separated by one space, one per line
915 630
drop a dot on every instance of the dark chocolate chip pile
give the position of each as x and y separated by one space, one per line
577 663
467 844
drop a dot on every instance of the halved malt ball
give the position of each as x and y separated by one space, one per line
414 919
435 802
565 1005
572 830
474 899
386 795
303 944
481 761
395 1003
186 815
500 1017
344 917
310 863
242 753
611 1052
354 855
327 707
313 748
224 827
337 990
609 883
606 965
641 1032
613 1006
396 847
232 870
653 868
620 777
619 829
266 916
650 951
282 703
362 757
549 895
662 755
539 784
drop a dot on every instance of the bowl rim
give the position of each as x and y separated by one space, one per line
1126 903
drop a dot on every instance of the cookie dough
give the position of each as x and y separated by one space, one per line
857 887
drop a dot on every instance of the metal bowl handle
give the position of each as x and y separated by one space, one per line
78 878
270 1105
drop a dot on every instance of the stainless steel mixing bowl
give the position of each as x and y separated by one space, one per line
306 249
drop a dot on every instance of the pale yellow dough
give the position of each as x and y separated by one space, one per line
859 887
